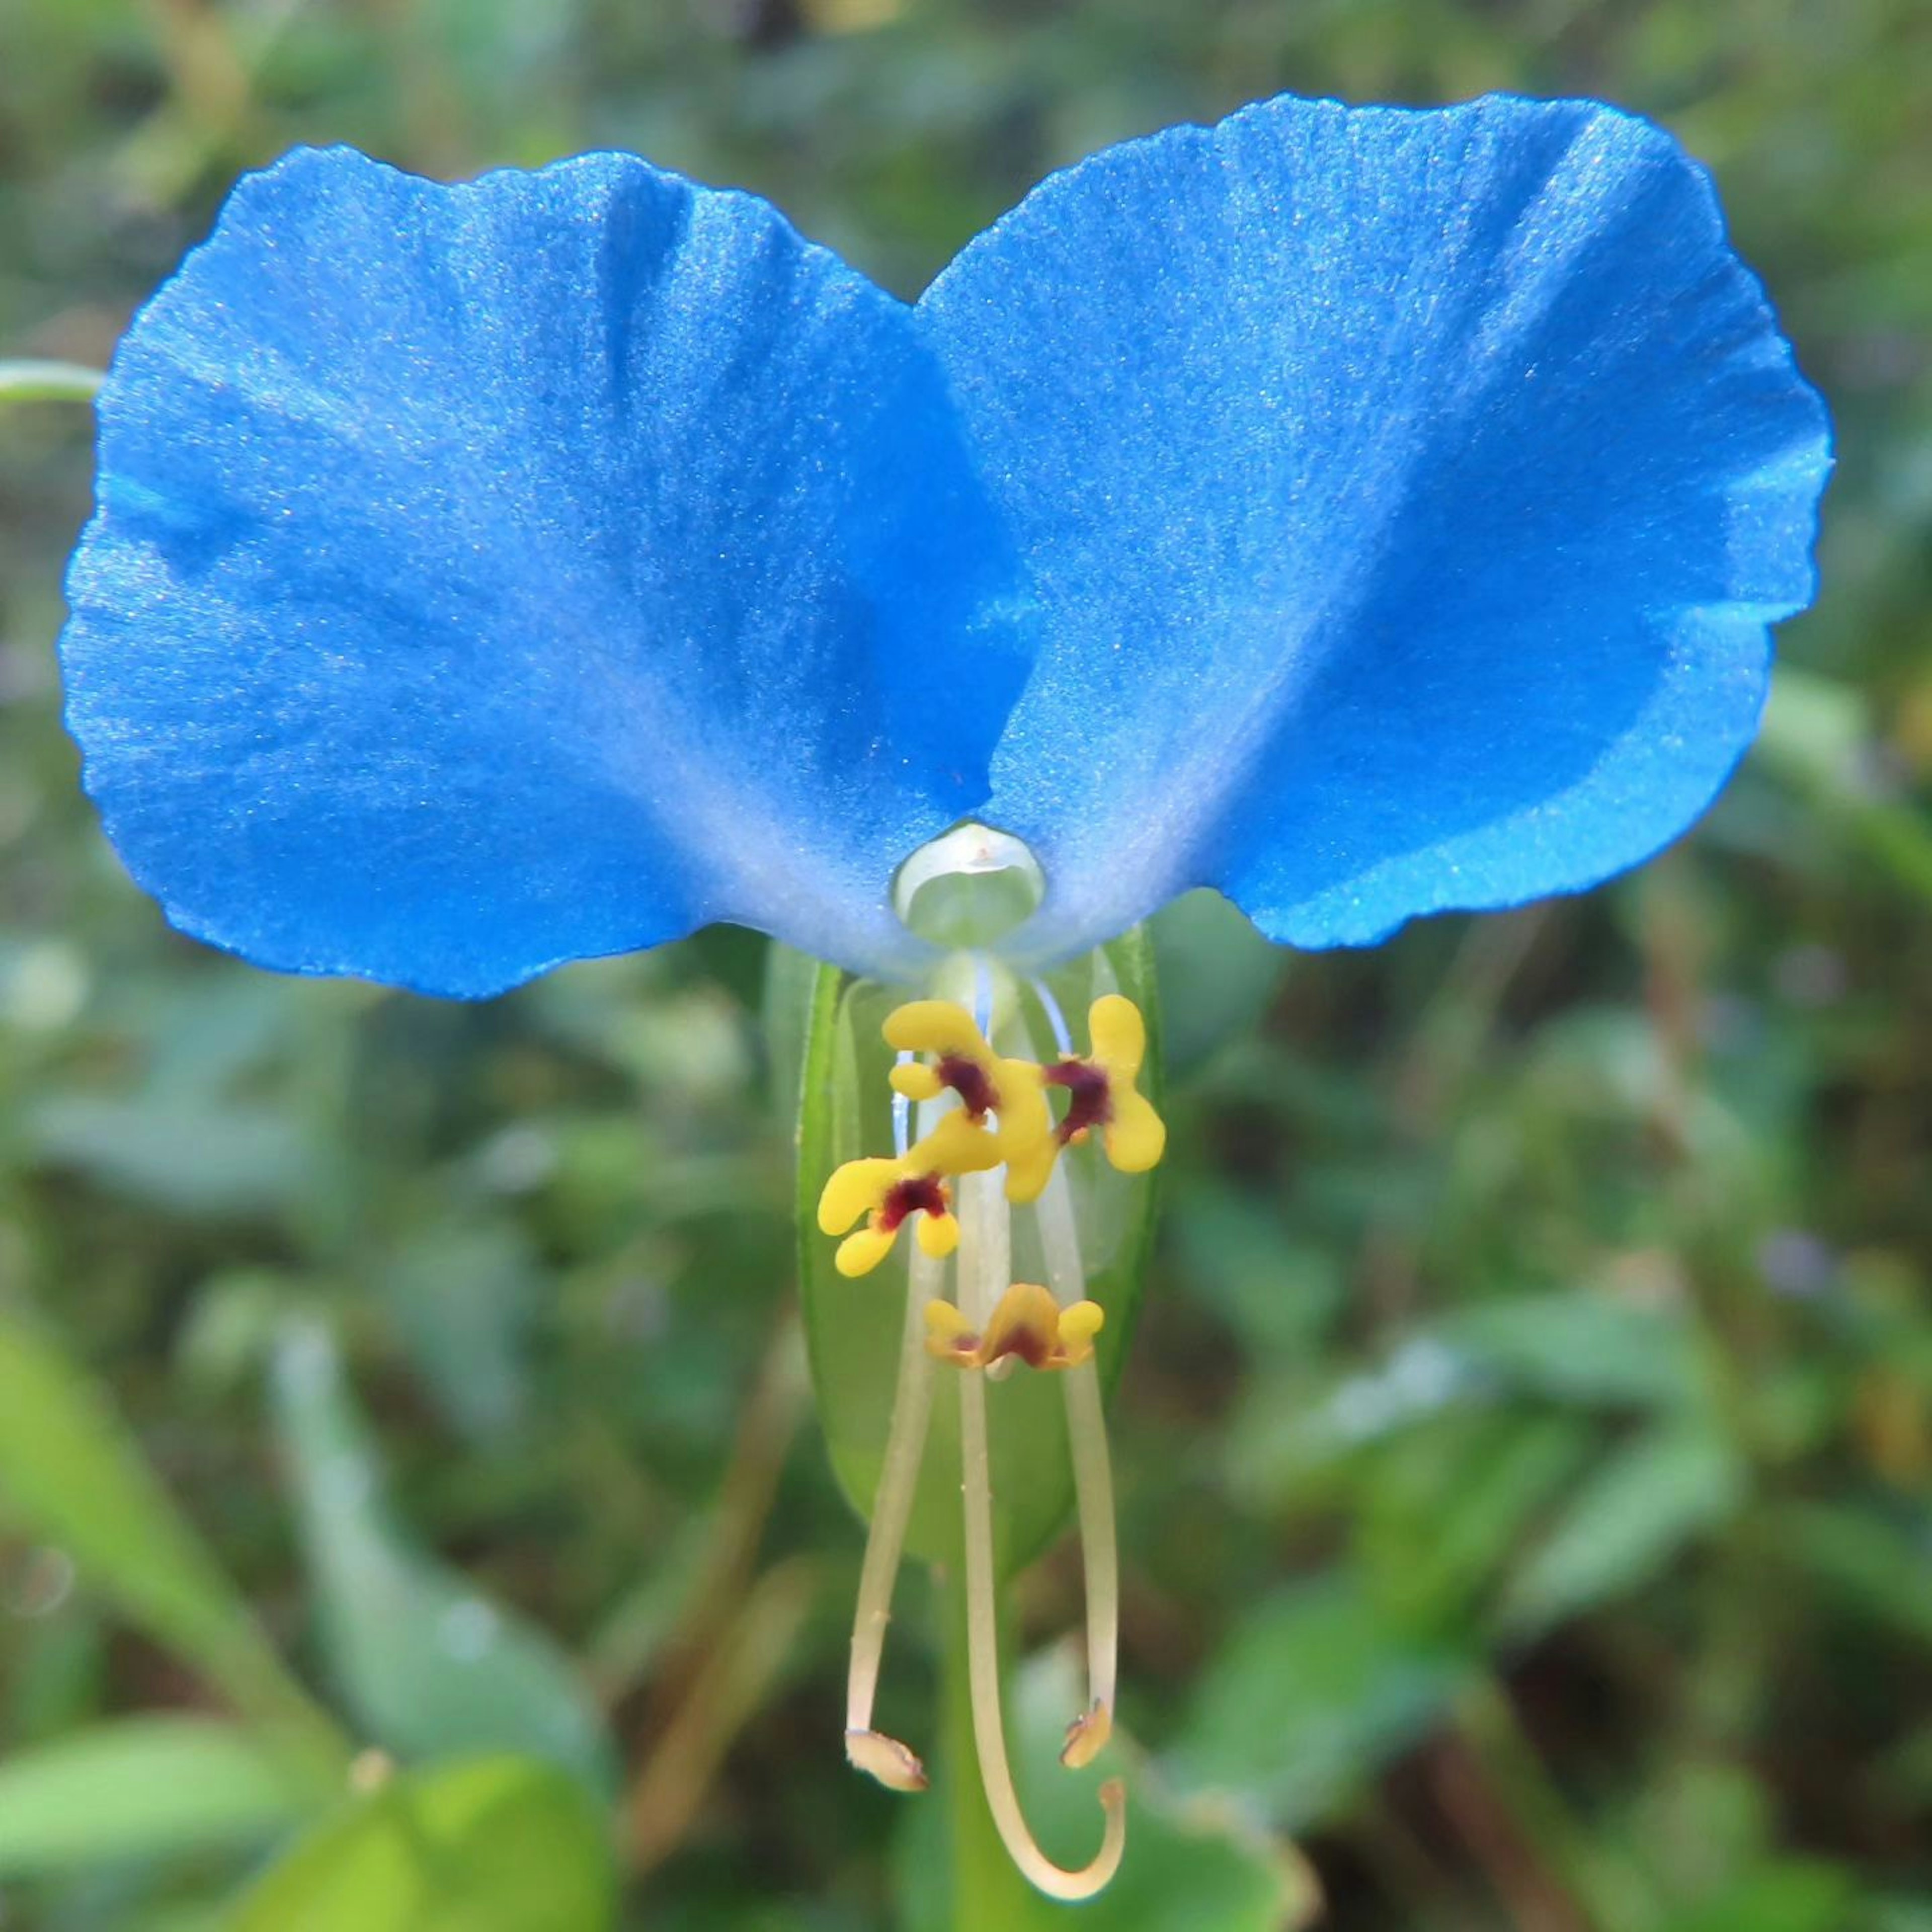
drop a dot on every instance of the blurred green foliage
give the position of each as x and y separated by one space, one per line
1527 1455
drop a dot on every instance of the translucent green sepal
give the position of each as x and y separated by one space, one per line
854 1328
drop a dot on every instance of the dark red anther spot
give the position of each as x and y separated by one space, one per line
918 1194
1089 1096
1026 1342
968 1079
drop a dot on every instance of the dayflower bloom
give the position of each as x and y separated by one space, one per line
1365 512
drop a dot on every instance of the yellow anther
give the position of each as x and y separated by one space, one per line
957 1145
1087 1737
946 1329
1101 1091
917 1081
1013 1091
891 1762
887 1191
1028 1325
1025 1135
1078 1325
857 1188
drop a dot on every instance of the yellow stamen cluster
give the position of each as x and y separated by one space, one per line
1004 1119
1000 1116
1012 1091
1027 1325
889 1191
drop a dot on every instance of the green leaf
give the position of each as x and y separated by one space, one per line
1780 1895
1898 1915
1447 1505
1636 1510
463 1293
791 982
853 1328
1309 1695
1818 736
1876 1566
68 1468
503 1844
1204 943
183 1153
428 1664
138 1787
38 382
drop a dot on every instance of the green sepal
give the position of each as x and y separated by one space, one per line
853 1328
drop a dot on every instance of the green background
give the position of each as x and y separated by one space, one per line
1525 1457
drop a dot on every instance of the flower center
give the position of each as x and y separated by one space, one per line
988 1131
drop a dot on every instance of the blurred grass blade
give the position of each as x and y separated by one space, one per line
70 1472
1310 1695
139 1787
35 382
751 1654
1580 1347
1637 1509
502 1844
427 1664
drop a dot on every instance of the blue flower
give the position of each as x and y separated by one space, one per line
1365 512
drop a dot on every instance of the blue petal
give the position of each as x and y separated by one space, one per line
489 576
1404 497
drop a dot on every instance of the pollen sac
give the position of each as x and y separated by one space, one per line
888 1192
1027 1326
1101 1089
1013 1092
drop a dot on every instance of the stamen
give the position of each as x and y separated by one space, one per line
1008 1097
1027 1326
1093 1486
1089 1102
902 1115
982 994
889 1192
891 1762
1101 1091
1055 1019
985 1264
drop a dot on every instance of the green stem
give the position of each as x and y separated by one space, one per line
37 382
988 1892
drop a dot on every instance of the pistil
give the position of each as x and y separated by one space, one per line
985 1267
